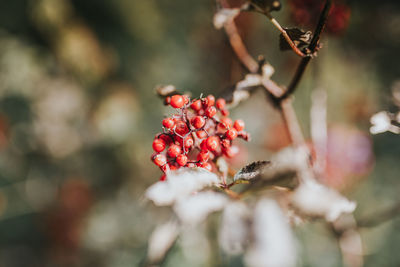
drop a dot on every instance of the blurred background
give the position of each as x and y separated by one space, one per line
78 112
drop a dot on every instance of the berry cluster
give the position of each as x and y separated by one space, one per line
197 135
306 12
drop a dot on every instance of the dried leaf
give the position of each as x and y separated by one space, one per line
166 90
274 243
234 232
314 199
161 240
195 208
299 37
180 184
224 16
267 5
251 171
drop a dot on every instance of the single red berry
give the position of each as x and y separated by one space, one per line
198 122
203 156
177 101
226 123
196 105
163 177
159 145
201 112
220 104
181 160
186 99
168 123
212 143
203 145
238 125
181 128
173 151
211 111
231 152
173 167
206 166
225 112
210 100
201 134
231 134
225 142
167 100
159 159
188 142
191 165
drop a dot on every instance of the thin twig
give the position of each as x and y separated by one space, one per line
237 44
292 124
312 48
287 37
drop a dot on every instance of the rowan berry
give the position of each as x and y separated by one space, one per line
231 134
225 143
186 99
212 143
159 159
203 156
226 123
238 125
173 151
181 159
206 166
211 111
177 101
201 134
203 145
181 128
159 145
220 104
196 105
225 112
210 100
198 122
168 123
163 177
188 142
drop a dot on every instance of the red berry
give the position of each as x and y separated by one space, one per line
186 99
231 134
203 156
220 103
225 112
198 122
203 145
210 100
181 160
159 159
226 123
173 168
167 139
206 166
167 100
163 177
188 142
212 143
211 111
177 101
238 125
173 151
168 123
225 143
201 134
230 152
196 105
181 128
191 165
159 145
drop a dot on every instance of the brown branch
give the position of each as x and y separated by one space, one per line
292 124
312 48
